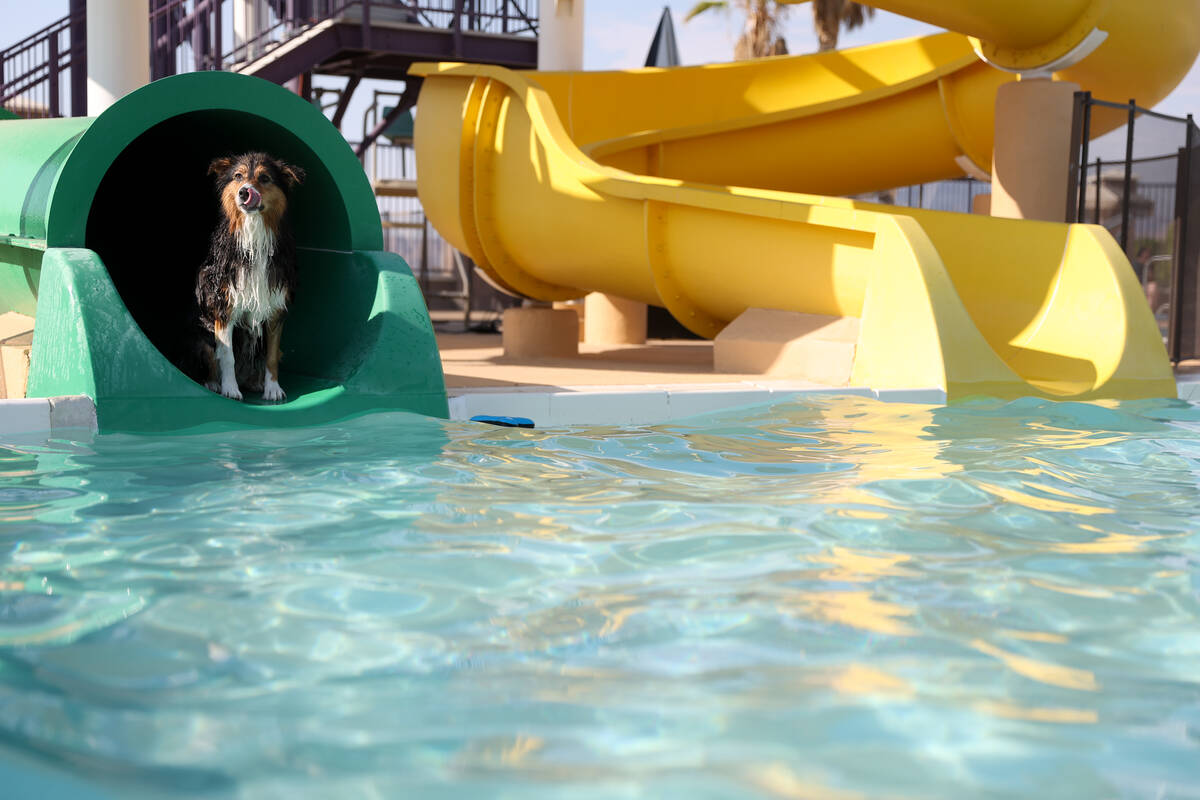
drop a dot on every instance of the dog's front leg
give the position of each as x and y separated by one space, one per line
224 336
272 391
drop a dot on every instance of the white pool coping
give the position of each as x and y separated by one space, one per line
554 406
547 406
48 415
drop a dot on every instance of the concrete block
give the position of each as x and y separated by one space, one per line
578 307
540 332
73 411
788 344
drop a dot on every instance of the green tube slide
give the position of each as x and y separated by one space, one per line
103 222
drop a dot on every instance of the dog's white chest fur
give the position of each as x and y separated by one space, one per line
254 301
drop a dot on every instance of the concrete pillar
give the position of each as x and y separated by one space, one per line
246 15
540 332
1032 154
118 51
560 35
608 319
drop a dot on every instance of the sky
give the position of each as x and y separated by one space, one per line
618 35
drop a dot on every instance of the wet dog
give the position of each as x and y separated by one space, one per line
246 284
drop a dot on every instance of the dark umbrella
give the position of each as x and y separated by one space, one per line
663 50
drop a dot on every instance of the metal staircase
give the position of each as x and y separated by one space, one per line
44 74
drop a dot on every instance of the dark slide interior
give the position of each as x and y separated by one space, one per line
154 212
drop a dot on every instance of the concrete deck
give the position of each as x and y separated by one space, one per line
610 385
613 385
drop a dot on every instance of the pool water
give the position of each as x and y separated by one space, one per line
829 597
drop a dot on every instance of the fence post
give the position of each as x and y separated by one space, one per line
458 9
78 58
52 74
366 24
1096 212
1175 325
1081 134
218 53
1128 177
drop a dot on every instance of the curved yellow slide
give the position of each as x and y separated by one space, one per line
638 184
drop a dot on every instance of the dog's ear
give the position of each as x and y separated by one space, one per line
292 175
219 165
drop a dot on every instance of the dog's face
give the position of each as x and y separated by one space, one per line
254 183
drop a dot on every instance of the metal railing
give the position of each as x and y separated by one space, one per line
190 35
42 70
954 194
43 74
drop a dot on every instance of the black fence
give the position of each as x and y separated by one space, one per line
956 194
1135 172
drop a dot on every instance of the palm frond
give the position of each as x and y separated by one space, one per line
706 5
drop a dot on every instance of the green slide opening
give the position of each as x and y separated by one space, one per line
123 208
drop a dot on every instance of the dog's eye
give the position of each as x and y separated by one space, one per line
265 178
237 176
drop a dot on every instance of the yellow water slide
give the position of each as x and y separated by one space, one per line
681 188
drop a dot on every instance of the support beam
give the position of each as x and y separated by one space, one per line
412 87
118 46
78 58
246 16
1032 154
344 99
560 35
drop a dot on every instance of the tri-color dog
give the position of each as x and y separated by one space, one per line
244 287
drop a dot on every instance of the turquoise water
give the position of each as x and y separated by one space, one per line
823 598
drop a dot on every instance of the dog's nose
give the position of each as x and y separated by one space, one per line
249 197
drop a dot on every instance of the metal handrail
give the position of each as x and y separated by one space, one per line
35 38
200 24
183 18
32 70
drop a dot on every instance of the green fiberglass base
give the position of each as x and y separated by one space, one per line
104 221
358 339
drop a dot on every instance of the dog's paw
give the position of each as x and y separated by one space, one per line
272 392
231 391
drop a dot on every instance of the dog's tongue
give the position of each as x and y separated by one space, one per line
253 198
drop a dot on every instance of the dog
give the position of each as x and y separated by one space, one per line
244 287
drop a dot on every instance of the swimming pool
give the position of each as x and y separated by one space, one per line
823 597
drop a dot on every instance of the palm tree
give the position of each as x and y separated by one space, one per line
764 18
830 16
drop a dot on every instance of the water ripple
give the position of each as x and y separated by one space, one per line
828 597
